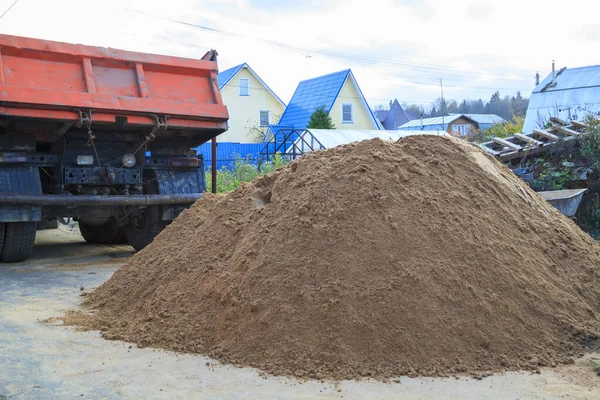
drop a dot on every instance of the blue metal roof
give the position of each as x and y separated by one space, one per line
225 76
428 123
575 95
312 94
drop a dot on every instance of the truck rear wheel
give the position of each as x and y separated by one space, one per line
18 241
144 229
2 227
103 233
147 224
121 238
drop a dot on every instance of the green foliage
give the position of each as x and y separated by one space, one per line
321 119
590 143
243 171
509 128
552 179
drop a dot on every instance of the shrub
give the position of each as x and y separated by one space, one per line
228 179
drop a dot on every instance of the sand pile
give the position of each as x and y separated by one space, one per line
423 257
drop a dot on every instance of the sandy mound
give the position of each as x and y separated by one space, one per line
376 259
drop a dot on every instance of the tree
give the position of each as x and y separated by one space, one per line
257 133
414 109
320 119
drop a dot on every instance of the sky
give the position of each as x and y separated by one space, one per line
395 48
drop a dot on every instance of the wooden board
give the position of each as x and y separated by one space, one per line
506 143
557 121
536 150
545 134
579 125
528 139
567 131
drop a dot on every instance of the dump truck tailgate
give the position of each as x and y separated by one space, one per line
56 81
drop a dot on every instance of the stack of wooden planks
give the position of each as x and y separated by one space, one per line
558 135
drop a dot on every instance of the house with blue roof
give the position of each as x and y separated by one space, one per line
251 103
458 125
339 94
570 94
485 121
394 117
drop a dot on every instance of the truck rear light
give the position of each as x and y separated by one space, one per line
12 157
184 162
85 160
128 160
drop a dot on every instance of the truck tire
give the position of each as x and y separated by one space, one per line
121 238
18 241
143 230
143 233
2 227
99 234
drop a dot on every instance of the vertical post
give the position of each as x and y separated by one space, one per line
214 165
141 80
88 74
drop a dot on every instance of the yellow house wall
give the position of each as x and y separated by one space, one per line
244 111
361 115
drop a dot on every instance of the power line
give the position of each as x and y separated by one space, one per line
8 9
428 68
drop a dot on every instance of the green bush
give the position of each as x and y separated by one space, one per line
590 143
228 179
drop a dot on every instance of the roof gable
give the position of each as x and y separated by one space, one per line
226 76
321 91
396 116
484 118
312 94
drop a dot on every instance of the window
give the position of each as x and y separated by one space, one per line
461 129
244 87
347 117
264 118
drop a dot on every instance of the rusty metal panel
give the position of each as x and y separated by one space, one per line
42 78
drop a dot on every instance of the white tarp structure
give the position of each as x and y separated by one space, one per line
321 139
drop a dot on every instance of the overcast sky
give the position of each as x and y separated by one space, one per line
396 48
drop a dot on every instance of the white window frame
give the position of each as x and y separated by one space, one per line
260 118
461 129
245 87
351 113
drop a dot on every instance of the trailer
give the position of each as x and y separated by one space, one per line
100 135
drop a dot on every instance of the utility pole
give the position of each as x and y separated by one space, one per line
443 101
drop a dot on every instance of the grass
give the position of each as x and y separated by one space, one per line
228 179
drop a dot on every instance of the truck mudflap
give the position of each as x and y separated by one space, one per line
181 183
20 181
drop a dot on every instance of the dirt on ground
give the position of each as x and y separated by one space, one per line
373 259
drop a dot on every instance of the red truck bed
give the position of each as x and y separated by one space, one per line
49 80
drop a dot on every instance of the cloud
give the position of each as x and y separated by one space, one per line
423 10
305 6
480 11
588 32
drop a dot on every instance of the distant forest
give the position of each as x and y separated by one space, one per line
506 107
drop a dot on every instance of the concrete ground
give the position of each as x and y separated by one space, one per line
41 360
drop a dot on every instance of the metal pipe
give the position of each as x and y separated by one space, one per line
86 200
213 171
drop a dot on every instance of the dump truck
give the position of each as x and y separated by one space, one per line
102 136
